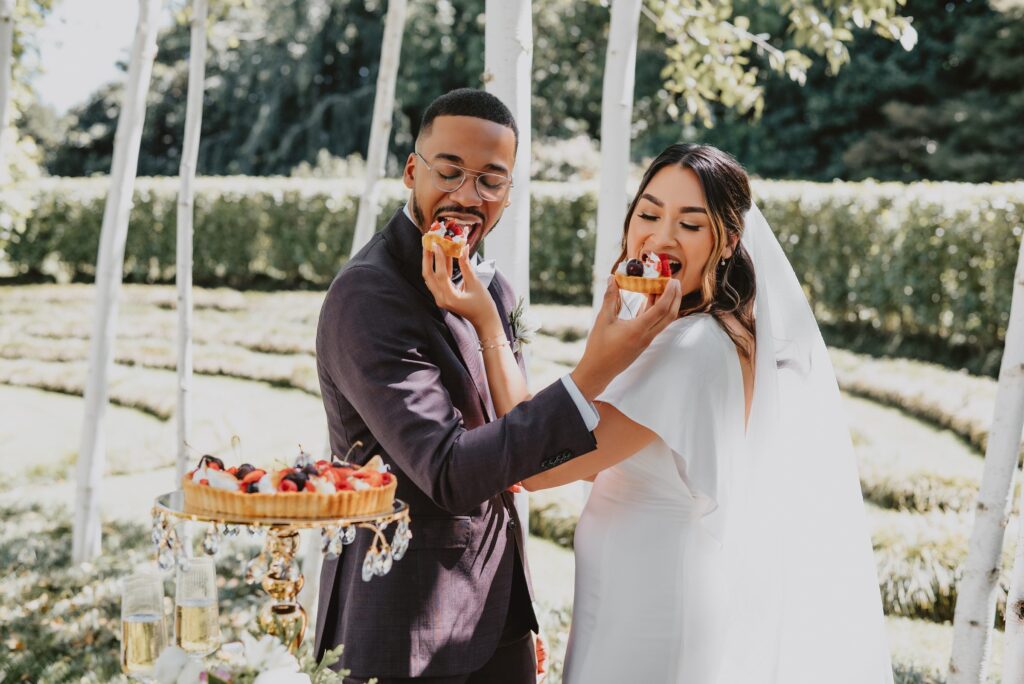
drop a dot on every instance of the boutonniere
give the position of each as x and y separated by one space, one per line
524 325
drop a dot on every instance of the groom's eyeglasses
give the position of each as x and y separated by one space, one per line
448 177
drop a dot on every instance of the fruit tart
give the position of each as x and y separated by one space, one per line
449 235
308 489
649 274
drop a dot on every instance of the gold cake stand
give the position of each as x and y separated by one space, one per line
275 568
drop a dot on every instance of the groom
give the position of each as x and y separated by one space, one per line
407 380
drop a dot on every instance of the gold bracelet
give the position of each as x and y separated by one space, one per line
496 345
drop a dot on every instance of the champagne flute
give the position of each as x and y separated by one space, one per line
196 630
143 632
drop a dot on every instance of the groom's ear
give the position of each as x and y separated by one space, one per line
409 174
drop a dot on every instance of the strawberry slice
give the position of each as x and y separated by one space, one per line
455 229
253 476
666 270
288 486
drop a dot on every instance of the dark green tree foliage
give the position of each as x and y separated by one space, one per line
291 79
948 110
299 76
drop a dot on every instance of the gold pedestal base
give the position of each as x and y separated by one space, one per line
283 616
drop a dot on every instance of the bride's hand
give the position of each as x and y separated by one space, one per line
470 299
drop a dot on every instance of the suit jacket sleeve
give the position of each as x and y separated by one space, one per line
375 348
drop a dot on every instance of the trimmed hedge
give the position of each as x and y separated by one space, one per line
922 270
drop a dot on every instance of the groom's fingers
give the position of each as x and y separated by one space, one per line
657 317
610 305
469 277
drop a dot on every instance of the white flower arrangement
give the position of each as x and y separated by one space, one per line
253 660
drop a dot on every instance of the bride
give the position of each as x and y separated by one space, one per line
724 540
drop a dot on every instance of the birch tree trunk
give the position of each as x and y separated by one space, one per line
186 210
6 69
1011 400
616 124
508 75
380 132
109 270
976 595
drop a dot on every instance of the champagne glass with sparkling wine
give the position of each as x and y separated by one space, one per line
196 630
143 631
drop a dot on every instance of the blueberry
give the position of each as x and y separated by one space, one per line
634 268
252 488
298 477
311 471
243 470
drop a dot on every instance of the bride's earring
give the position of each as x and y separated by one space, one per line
722 262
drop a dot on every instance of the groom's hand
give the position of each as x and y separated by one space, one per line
615 343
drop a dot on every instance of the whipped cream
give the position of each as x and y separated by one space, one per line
321 485
217 479
265 485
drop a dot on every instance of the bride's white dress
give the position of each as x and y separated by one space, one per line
650 581
725 553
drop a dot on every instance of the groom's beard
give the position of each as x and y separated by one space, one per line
417 214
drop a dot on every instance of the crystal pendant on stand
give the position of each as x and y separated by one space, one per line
369 564
165 559
382 565
256 570
211 541
348 534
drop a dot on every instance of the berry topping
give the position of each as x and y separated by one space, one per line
244 470
634 267
666 270
211 462
454 229
288 486
253 475
252 488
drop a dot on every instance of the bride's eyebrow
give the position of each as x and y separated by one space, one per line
692 210
652 199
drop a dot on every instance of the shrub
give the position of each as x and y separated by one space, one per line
922 270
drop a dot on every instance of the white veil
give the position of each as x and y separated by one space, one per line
807 605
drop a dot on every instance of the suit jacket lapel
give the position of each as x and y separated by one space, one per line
468 346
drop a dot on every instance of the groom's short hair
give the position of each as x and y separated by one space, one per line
469 102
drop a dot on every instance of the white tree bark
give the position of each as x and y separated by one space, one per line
186 209
380 132
6 68
616 125
1006 431
508 75
976 595
109 270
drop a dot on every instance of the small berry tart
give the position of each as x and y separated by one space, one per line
449 235
649 274
309 489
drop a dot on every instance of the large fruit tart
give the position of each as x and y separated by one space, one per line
309 489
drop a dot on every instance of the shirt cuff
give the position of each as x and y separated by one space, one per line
588 412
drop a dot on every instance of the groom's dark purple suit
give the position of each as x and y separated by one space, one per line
406 378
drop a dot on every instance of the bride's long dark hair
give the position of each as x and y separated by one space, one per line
725 288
